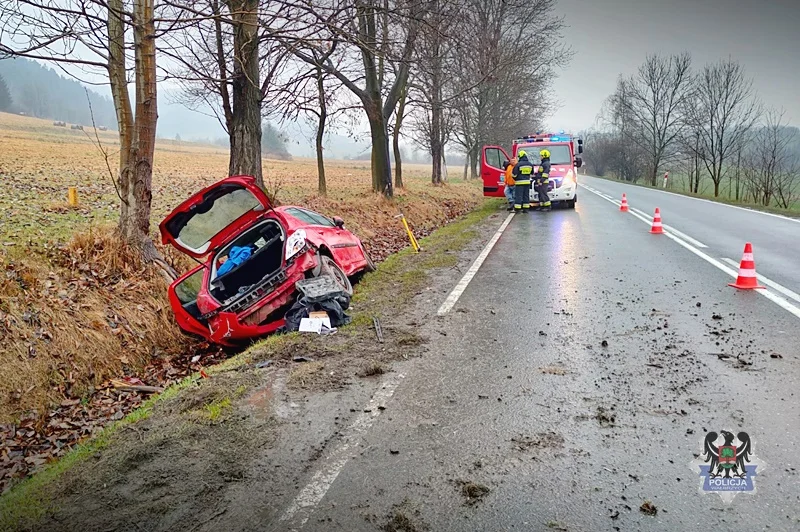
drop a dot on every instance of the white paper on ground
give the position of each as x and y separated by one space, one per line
314 324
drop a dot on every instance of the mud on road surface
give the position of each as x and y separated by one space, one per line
576 379
569 388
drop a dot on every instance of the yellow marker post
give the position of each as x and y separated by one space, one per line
72 196
411 238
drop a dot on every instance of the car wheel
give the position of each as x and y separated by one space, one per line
571 204
371 267
330 267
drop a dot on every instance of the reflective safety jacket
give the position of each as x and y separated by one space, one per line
523 171
509 179
544 170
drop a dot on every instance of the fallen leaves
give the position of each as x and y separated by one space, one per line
35 441
648 508
473 492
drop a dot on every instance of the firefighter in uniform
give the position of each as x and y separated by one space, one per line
542 180
523 171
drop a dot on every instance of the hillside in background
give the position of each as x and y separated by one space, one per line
42 92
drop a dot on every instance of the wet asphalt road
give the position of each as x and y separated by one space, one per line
518 393
724 229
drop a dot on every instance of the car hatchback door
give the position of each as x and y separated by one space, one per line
218 213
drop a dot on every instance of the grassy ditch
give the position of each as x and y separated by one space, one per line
29 500
401 276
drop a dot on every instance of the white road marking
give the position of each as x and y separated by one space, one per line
684 236
795 220
310 496
778 300
769 282
452 299
672 230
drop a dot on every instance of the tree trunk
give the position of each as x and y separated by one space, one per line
436 174
245 132
323 116
436 143
122 104
474 161
322 187
134 223
398 122
738 170
381 164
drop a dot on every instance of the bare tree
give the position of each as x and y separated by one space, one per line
373 35
722 113
399 115
509 69
656 99
322 119
309 91
772 166
226 59
628 159
89 36
436 51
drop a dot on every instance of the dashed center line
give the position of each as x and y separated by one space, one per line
673 235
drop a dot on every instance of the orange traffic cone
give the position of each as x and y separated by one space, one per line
657 228
624 205
747 279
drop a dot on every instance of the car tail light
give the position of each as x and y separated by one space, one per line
295 244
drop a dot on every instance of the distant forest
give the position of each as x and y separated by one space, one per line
42 92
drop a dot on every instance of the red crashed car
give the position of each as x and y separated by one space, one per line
269 250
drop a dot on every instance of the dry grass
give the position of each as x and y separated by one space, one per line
76 308
91 312
372 368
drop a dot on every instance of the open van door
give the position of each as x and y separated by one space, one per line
493 172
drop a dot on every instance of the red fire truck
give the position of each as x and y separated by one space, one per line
564 162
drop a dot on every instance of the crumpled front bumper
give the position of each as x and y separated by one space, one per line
566 192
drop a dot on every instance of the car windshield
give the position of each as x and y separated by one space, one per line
215 214
559 153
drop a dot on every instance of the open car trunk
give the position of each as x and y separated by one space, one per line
265 242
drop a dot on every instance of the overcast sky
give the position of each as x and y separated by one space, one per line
612 37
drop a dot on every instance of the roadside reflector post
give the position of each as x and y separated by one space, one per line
411 238
72 196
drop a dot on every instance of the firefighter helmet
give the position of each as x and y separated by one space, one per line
544 154
521 154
